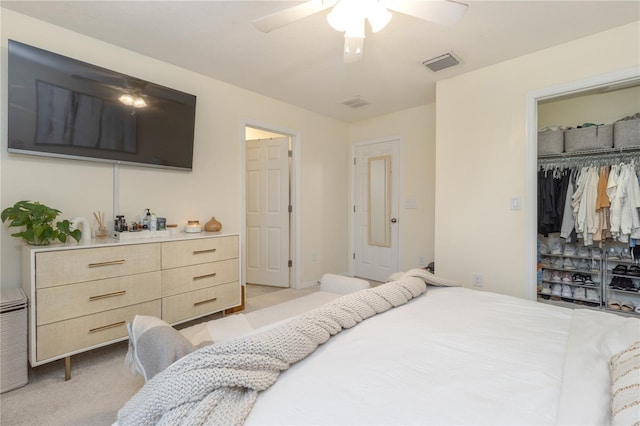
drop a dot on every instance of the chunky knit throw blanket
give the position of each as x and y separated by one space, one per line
219 384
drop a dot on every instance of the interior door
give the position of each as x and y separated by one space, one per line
267 212
376 247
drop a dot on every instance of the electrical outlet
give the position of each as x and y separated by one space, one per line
422 261
477 279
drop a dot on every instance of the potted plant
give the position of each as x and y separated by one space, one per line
37 220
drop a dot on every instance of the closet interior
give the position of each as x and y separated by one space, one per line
589 200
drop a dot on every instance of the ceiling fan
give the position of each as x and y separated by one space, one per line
349 16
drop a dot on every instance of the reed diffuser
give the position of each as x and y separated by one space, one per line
102 231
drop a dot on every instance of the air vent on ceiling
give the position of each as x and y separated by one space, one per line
356 102
441 62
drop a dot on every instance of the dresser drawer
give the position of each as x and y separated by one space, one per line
185 306
63 337
193 252
74 300
196 277
72 266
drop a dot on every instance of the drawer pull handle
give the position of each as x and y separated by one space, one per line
202 302
205 276
204 251
108 263
106 327
104 296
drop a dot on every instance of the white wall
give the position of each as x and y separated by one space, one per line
480 154
599 107
415 127
212 189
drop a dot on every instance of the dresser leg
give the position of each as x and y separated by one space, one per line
67 368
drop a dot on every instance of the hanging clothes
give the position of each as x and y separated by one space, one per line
602 206
592 203
552 189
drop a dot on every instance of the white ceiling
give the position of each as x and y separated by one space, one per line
301 63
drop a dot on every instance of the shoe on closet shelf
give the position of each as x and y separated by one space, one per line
566 277
588 280
556 248
634 271
625 254
568 263
592 296
577 278
580 293
620 270
566 292
583 251
546 275
546 262
613 304
595 266
569 250
627 284
546 288
596 253
556 290
613 253
543 247
627 306
582 265
555 276
558 263
616 283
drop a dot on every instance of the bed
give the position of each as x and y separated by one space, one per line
448 355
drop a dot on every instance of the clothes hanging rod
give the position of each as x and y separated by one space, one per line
592 152
596 157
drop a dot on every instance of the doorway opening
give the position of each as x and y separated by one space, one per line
620 78
269 203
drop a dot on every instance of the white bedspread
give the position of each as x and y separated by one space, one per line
453 356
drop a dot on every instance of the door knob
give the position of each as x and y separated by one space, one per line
394 220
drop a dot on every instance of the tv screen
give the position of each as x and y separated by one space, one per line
62 107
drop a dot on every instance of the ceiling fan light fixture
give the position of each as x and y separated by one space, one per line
378 16
139 103
126 99
353 48
134 101
347 14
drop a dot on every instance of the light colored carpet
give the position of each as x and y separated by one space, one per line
100 382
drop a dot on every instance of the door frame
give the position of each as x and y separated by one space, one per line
294 237
396 187
531 154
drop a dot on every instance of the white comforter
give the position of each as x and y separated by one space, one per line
456 356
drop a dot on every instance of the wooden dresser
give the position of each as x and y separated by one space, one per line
82 296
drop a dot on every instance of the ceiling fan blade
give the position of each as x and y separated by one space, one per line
444 12
353 49
287 16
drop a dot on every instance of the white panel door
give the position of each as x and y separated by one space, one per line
371 261
267 210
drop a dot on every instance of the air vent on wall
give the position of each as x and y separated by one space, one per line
356 102
441 62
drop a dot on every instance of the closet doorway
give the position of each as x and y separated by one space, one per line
268 206
606 82
375 209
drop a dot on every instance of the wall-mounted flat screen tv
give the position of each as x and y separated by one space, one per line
62 107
